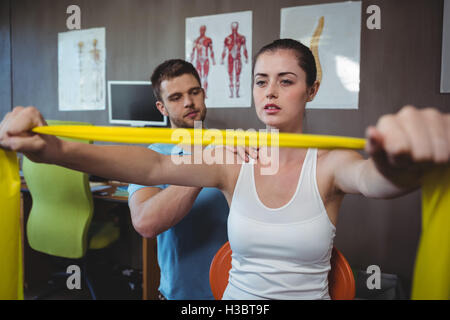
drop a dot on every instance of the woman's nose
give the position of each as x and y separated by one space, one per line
271 91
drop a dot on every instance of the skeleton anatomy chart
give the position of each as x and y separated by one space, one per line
219 46
332 32
81 70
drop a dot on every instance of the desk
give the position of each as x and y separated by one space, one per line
150 269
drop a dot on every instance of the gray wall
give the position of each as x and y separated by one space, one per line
445 76
5 58
400 64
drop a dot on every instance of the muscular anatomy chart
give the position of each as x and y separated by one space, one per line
202 48
234 44
227 84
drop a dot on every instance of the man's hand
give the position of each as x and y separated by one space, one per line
404 144
245 153
16 135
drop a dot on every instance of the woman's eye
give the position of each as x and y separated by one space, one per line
286 82
259 83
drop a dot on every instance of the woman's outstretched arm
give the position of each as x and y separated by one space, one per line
131 164
402 147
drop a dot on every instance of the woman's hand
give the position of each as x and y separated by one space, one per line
404 144
16 134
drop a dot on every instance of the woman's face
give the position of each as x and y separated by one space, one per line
280 91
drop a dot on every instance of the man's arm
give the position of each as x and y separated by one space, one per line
154 211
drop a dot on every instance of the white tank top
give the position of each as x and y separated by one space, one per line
279 253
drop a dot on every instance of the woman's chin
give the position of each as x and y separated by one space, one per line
272 123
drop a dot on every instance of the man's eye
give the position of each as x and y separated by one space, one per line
175 98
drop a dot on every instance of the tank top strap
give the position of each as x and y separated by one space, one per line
241 190
308 173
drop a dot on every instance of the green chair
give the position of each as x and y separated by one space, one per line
62 210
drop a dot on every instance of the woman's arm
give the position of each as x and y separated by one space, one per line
401 147
138 165
355 175
131 164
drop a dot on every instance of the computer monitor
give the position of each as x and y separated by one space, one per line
133 103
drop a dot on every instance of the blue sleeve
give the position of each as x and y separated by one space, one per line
132 188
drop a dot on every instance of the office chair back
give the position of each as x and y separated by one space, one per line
62 206
341 282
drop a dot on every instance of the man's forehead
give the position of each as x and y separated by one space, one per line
182 83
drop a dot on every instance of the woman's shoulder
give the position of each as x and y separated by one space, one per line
337 157
338 153
329 163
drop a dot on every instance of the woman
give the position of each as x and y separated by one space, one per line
281 226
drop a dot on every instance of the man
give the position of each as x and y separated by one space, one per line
189 222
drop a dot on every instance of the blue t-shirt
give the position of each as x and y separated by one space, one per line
186 250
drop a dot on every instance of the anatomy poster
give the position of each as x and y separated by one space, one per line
81 70
220 48
332 32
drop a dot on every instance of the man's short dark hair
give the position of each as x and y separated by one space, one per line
170 69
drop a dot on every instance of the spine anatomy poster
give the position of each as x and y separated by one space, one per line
220 48
81 70
332 32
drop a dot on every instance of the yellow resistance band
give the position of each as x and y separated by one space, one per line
11 282
428 282
201 136
432 268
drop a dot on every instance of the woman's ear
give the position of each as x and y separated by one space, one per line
162 108
313 90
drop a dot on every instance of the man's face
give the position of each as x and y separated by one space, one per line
183 101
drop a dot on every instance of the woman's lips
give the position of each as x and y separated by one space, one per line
271 109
